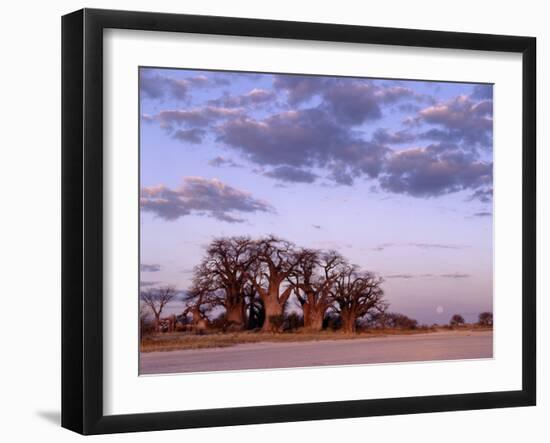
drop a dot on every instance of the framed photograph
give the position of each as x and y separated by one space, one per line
269 221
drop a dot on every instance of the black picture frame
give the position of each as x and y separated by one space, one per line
82 218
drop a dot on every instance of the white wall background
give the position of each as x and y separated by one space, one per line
30 218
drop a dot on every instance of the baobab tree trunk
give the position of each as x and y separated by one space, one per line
274 304
273 309
313 317
348 322
235 315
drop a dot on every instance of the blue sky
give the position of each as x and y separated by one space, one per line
396 175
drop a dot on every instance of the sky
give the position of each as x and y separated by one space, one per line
396 175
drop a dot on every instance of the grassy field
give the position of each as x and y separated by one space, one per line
183 340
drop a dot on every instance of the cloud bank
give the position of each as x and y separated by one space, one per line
149 268
303 128
201 196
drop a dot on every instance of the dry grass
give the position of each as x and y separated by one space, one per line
183 340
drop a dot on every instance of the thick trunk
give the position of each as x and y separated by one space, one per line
234 306
274 304
313 317
348 322
306 308
273 311
235 315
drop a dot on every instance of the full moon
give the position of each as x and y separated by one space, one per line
439 309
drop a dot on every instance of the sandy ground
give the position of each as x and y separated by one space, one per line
451 345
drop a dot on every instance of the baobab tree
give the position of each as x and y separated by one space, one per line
224 273
156 299
276 260
312 281
355 294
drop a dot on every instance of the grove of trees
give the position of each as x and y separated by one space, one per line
252 281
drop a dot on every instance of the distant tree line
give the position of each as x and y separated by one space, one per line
484 319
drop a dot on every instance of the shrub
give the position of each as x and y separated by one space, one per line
392 320
401 321
181 327
146 324
276 322
220 322
456 320
485 319
332 321
293 321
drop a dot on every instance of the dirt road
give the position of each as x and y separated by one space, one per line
452 345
